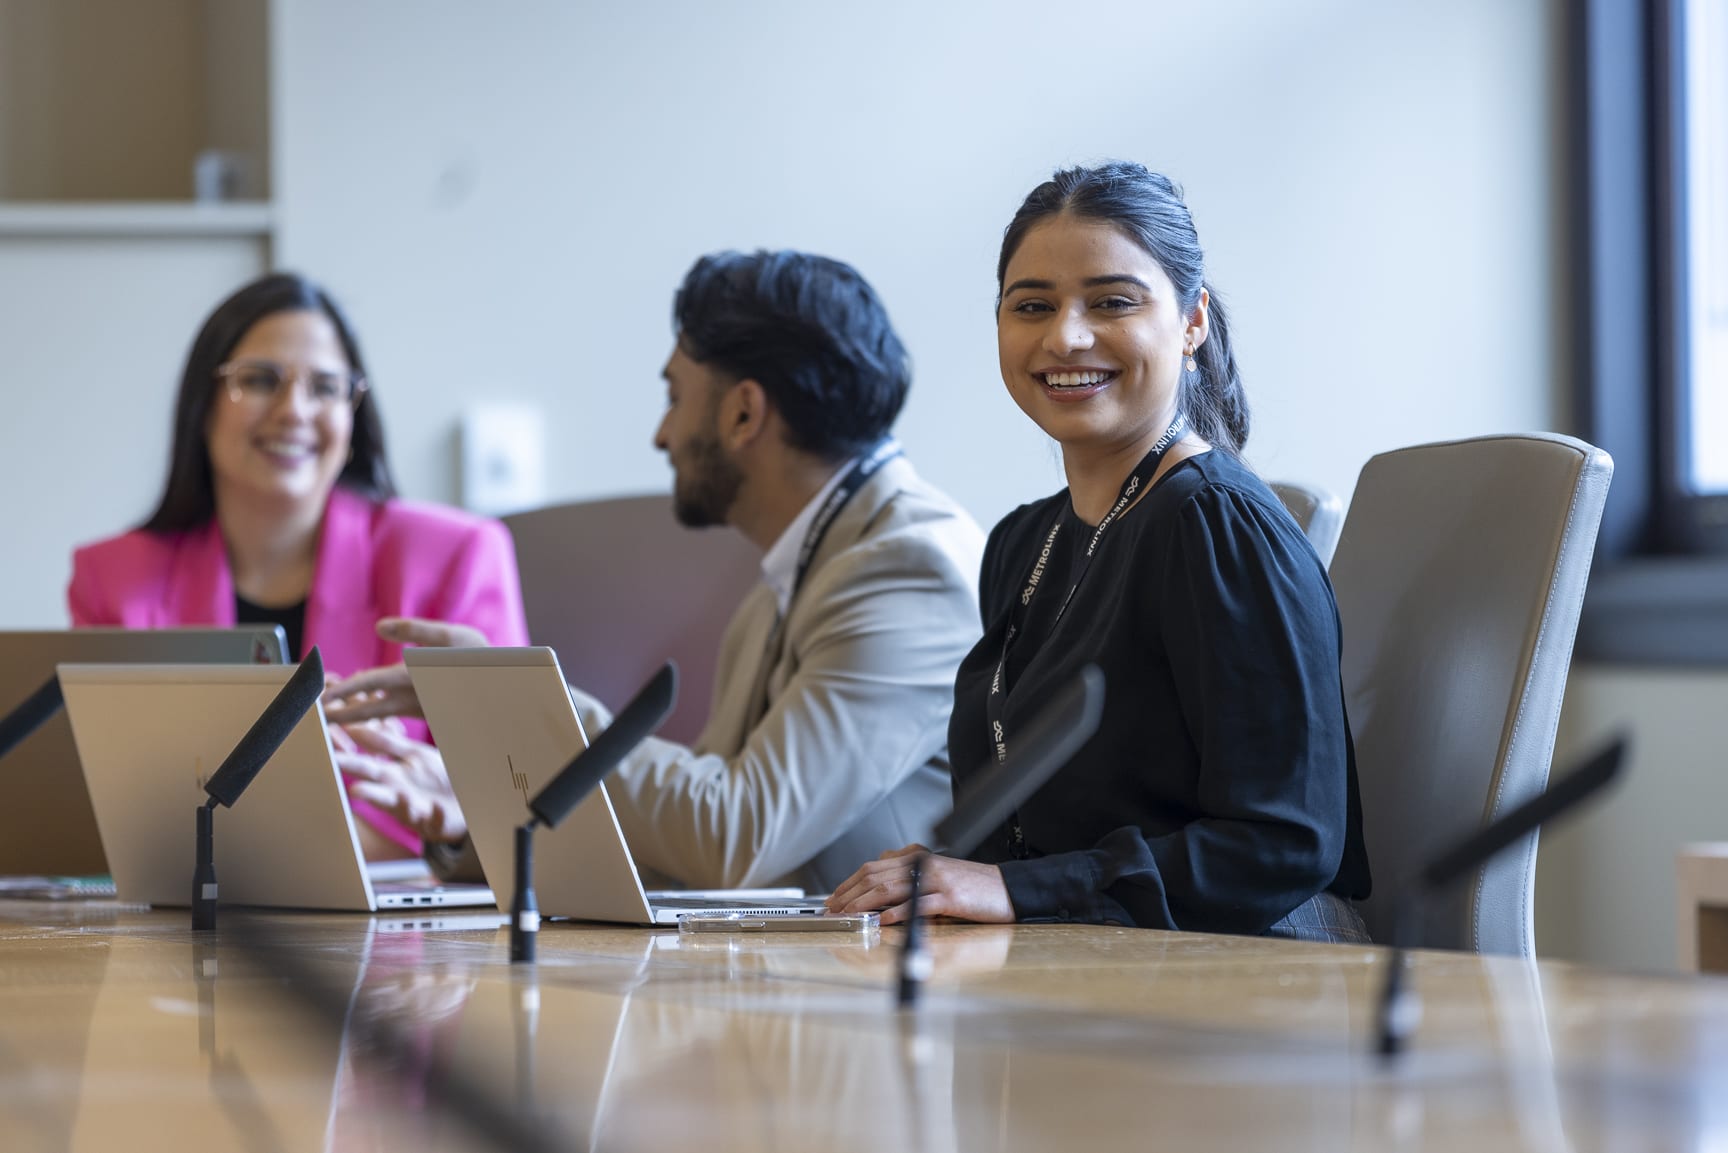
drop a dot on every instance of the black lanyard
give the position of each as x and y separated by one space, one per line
996 702
861 471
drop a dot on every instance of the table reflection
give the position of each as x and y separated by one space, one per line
189 1045
142 1035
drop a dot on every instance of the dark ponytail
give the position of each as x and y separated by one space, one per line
1213 396
1148 208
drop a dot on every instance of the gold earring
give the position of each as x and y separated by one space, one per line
1191 366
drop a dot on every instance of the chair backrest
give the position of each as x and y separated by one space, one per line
617 586
1459 576
1320 514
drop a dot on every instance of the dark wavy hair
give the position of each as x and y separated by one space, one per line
189 496
1148 208
811 331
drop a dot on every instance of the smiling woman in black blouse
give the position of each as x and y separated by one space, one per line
1219 793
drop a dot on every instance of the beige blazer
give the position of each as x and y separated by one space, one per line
822 754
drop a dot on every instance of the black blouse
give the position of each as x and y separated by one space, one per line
1219 792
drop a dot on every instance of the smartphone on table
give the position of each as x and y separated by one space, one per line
758 923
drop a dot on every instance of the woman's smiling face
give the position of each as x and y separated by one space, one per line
1091 336
291 444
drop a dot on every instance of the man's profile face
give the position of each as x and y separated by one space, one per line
705 480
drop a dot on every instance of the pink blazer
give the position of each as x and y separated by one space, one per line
397 558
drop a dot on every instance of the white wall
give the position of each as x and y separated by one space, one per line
506 195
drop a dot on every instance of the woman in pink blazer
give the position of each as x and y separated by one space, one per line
279 508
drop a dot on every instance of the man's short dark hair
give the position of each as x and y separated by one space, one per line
811 331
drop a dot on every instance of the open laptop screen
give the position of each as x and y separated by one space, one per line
46 824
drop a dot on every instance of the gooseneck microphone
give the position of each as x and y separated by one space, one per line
242 764
645 713
1053 735
1400 1008
30 714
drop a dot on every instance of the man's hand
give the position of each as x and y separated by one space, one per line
405 778
948 887
387 692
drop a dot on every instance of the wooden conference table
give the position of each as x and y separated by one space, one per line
121 1029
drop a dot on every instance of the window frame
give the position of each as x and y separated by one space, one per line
1659 590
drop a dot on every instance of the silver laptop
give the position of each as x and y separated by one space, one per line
46 825
505 724
150 735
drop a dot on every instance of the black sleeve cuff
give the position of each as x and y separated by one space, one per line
1056 889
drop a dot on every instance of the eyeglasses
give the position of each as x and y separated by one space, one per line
264 380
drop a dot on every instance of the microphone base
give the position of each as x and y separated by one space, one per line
524 940
914 958
204 917
524 909
204 875
1400 1009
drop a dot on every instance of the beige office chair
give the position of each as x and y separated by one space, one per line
1459 576
1318 512
618 586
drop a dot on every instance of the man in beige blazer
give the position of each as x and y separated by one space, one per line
827 743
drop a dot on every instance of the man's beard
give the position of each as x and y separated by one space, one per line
703 491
